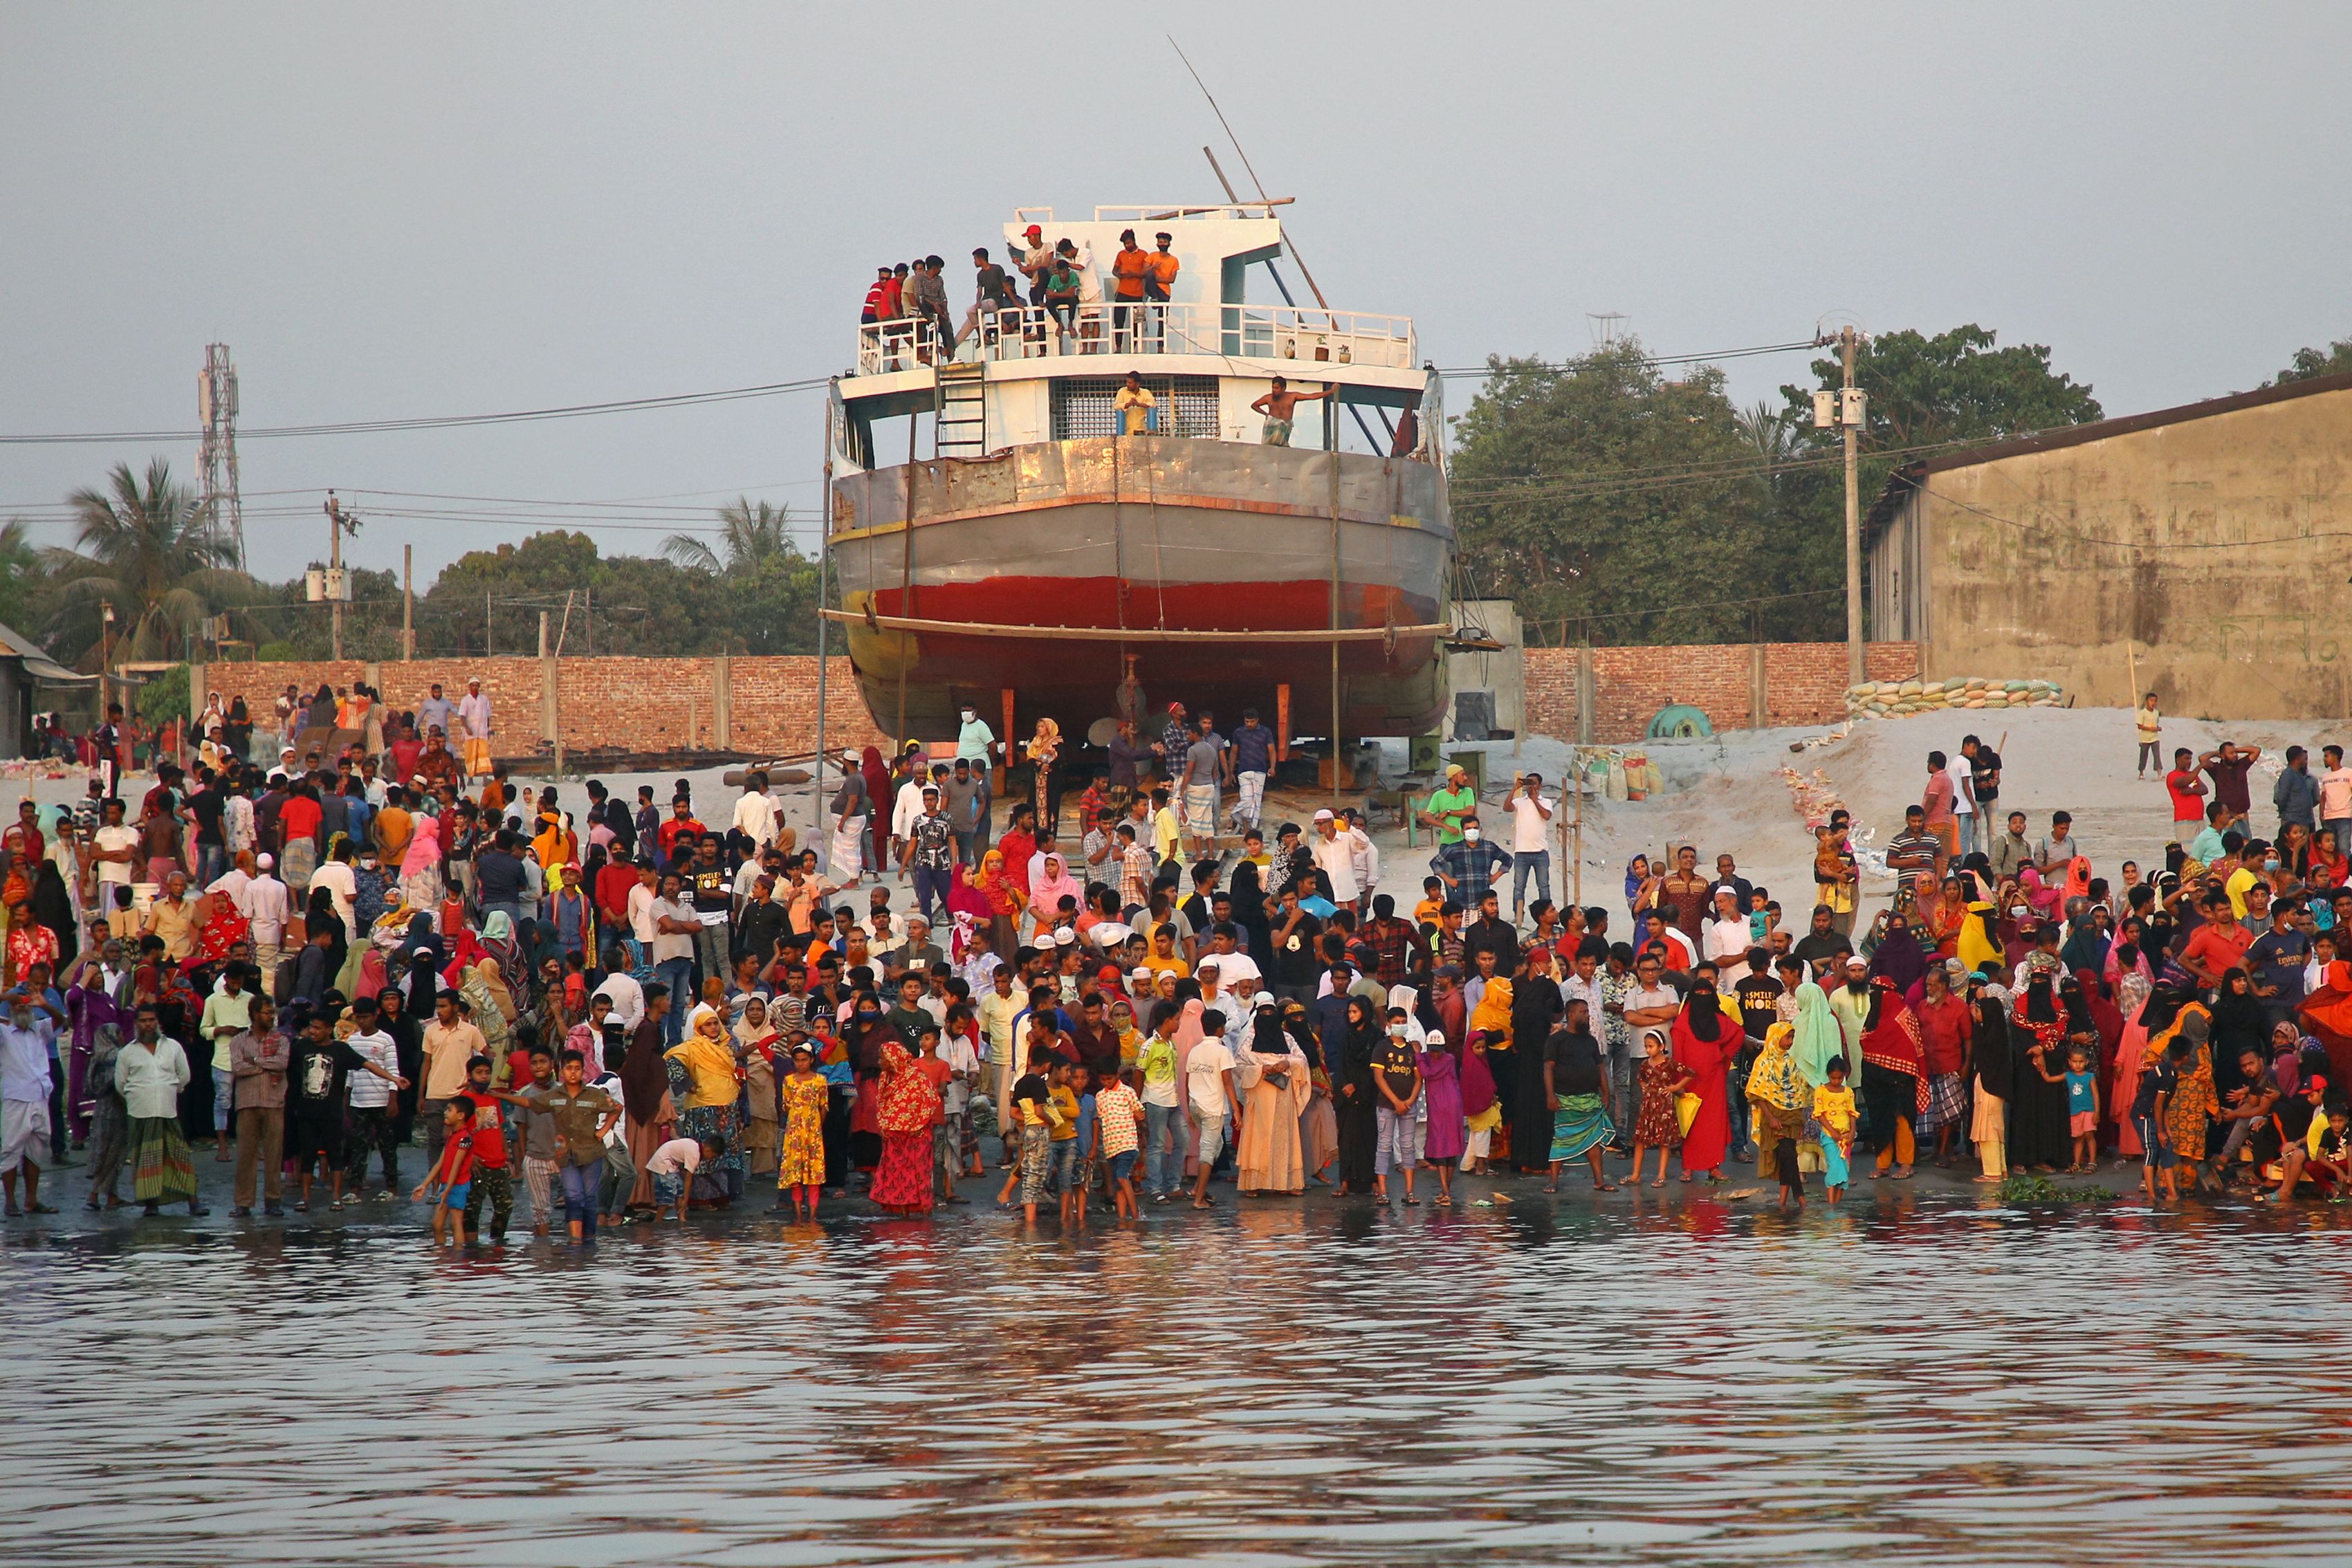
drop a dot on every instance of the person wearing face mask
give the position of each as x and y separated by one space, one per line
1471 865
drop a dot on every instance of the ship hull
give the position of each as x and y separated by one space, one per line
1134 538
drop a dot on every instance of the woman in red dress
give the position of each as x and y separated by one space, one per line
1705 1043
908 1104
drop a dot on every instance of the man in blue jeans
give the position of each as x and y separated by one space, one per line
932 838
1531 845
675 929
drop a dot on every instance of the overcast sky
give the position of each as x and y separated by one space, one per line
419 210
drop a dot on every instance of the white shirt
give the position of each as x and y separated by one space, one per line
641 912
1963 790
959 1056
119 837
149 1079
1528 825
677 1154
1727 939
267 904
368 1090
755 813
234 882
474 713
1335 858
1572 990
906 807
24 1060
237 824
1233 967
1209 1059
341 885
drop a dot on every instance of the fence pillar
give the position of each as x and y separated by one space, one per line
722 703
1755 698
1585 696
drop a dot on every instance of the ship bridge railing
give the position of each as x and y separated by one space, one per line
1307 336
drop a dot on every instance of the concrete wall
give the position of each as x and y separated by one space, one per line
1503 673
2214 545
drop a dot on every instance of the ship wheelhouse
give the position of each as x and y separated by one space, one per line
1002 540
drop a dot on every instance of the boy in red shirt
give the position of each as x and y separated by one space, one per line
451 1177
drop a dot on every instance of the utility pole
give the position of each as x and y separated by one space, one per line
339 523
408 602
1850 407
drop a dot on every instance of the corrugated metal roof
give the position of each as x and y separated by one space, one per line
37 663
1905 479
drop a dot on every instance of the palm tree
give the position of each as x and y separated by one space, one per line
149 553
1776 436
752 534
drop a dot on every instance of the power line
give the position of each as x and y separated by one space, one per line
438 422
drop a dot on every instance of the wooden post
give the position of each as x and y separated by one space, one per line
1576 857
1755 704
1282 722
408 602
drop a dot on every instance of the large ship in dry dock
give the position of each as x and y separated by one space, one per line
1000 543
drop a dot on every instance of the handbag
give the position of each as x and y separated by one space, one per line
1685 1111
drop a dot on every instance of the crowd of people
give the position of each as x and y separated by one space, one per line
315 966
1046 297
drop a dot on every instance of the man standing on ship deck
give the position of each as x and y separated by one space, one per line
1163 268
1278 405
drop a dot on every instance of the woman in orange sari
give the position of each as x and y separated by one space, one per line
1005 902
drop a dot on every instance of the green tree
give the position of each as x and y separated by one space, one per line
750 533
1613 502
1954 387
23 577
146 552
2333 360
755 595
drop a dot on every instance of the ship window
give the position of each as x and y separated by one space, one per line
1187 405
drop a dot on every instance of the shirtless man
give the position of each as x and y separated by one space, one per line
1277 406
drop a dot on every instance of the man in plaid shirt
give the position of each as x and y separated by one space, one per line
1385 943
1471 866
1135 870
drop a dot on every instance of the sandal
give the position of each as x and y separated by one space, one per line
1410 1202
1551 1186
1445 1200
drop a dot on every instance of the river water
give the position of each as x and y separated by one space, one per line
1294 1384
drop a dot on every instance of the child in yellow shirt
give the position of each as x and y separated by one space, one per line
1834 1109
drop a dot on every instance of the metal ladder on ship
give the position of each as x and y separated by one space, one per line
959 410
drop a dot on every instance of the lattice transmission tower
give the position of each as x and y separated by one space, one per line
216 457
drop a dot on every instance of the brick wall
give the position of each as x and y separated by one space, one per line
667 704
623 704
1804 683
